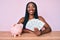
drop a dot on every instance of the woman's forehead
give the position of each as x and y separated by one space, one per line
30 4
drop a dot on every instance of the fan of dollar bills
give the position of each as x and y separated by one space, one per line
34 23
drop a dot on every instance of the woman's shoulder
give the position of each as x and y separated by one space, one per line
21 20
41 18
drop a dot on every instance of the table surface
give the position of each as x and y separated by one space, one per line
55 35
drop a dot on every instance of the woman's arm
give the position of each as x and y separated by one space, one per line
46 26
27 31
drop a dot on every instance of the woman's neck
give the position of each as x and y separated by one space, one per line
31 17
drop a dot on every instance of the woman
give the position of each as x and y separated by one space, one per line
31 12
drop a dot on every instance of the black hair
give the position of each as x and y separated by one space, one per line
27 14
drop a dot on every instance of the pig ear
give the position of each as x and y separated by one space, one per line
13 25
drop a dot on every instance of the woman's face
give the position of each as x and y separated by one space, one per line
31 8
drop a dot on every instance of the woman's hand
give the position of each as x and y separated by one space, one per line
43 29
37 32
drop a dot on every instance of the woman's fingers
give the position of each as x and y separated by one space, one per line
43 29
35 29
37 32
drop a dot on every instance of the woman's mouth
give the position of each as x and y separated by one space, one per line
31 11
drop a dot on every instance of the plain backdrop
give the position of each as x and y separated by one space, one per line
12 10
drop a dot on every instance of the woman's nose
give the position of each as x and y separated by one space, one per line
31 8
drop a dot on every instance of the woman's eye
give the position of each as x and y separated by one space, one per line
28 7
31 7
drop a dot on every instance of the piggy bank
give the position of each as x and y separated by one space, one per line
16 29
